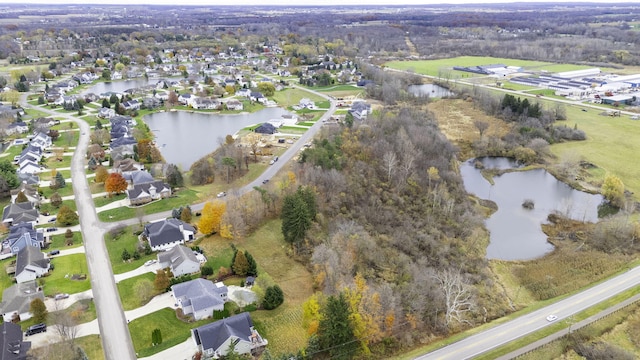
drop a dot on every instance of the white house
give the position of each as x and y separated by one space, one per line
31 264
180 259
165 234
17 299
200 297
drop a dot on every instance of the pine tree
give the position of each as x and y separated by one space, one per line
253 266
21 198
273 297
334 330
60 182
240 265
38 309
296 219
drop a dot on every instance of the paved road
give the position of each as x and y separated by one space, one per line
523 325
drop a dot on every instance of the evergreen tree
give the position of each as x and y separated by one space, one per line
125 255
105 104
21 198
60 182
98 122
296 219
334 330
253 266
38 309
240 265
273 297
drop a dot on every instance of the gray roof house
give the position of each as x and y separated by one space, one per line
147 192
16 300
180 259
21 236
18 213
29 191
200 297
165 234
30 179
138 177
31 264
214 339
11 345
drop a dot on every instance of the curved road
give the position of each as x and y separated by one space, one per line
116 340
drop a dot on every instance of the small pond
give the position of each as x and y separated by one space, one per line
119 86
516 232
184 137
429 90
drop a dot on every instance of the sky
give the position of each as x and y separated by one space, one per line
294 2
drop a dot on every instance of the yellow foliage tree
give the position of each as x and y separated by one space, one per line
311 313
613 190
226 231
211 218
365 317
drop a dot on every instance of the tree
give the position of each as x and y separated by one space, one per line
101 174
98 122
174 176
8 173
334 330
482 126
273 297
156 337
126 256
38 309
68 236
240 264
211 217
186 215
59 180
105 104
21 198
161 283
56 200
613 190
206 271
143 289
66 216
115 184
228 162
266 88
457 295
298 211
252 270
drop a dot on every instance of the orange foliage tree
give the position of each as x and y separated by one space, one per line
211 217
115 184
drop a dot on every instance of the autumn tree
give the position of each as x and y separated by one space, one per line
365 313
482 126
174 176
186 215
56 200
101 174
311 313
66 216
211 217
266 88
21 198
115 184
240 264
38 309
613 190
161 283
68 237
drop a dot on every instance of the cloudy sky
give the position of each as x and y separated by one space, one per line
291 2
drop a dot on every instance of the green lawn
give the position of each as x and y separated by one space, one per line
292 96
6 280
65 191
65 140
115 248
67 266
58 242
92 346
53 163
127 293
47 175
292 130
181 198
174 331
104 200
52 210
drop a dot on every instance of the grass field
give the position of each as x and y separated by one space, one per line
127 240
58 242
435 67
60 279
126 290
289 97
181 198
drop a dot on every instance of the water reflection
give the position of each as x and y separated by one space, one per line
429 90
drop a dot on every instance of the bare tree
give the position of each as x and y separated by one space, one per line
389 162
482 126
457 295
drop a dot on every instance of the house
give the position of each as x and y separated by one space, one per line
17 299
257 96
14 214
11 345
124 145
31 264
306 103
165 234
249 281
138 177
200 297
30 179
244 93
184 99
131 105
205 103
180 259
147 192
214 339
18 127
126 166
106 113
41 140
21 236
29 167
234 105
359 110
266 128
29 191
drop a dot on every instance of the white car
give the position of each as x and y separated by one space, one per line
61 296
222 194
551 318
150 262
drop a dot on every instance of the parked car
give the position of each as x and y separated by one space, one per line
52 229
53 219
61 296
265 181
36 329
150 262
54 252
222 194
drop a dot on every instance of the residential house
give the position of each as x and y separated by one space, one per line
234 105
138 177
42 140
21 236
29 167
106 113
205 103
30 179
131 105
14 214
257 96
9 112
121 147
18 127
31 264
11 345
165 234
244 93
29 191
266 128
180 259
214 339
360 110
184 98
127 166
17 299
147 192
306 103
200 297
151 102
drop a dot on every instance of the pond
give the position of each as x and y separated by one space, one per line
119 86
429 90
516 232
184 137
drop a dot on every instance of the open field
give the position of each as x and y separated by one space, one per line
289 97
60 279
436 67
181 198
127 240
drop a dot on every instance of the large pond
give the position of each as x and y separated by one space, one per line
184 137
430 90
119 86
516 232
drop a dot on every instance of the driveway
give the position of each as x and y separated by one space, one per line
136 272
